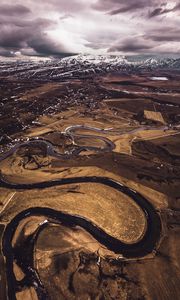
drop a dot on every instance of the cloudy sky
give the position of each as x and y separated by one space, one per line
58 27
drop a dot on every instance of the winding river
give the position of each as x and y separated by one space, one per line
22 253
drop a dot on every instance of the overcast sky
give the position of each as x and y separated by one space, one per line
55 27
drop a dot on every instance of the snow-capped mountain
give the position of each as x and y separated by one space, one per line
82 66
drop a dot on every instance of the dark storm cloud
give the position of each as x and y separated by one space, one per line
161 11
114 7
164 34
12 37
152 8
130 45
13 10
126 8
158 11
44 45
22 30
17 34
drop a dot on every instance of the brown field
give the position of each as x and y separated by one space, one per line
70 261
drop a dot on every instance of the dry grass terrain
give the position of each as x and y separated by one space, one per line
71 263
